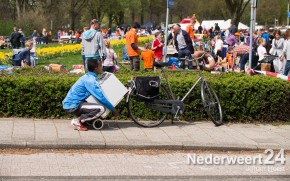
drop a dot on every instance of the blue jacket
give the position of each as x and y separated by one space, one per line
265 36
82 89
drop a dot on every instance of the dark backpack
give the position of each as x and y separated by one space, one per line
16 59
147 88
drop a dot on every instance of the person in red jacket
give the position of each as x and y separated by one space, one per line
157 46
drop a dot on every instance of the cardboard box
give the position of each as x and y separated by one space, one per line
112 89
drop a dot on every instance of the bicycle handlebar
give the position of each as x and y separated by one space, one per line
196 59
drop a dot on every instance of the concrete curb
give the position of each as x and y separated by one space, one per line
131 146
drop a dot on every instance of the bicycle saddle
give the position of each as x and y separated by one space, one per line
160 64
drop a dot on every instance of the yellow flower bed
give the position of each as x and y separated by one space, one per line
49 52
55 51
3 57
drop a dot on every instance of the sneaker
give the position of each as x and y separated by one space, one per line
74 122
78 125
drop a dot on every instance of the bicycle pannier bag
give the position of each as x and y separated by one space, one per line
147 88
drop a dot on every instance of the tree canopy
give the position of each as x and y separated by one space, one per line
75 14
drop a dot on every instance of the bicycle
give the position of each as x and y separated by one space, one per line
156 110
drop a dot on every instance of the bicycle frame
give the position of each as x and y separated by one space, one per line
200 79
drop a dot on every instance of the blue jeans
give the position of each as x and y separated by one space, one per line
287 67
182 54
245 59
84 59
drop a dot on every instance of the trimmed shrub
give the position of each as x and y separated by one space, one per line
38 93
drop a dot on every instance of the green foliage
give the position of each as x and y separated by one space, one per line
6 27
39 93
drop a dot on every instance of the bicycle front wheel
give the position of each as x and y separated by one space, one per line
142 113
211 104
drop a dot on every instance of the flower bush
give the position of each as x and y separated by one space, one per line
4 58
57 51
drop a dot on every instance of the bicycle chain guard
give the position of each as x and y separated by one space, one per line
167 106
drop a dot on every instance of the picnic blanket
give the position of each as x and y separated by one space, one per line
4 67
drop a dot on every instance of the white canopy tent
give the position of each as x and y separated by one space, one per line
207 24
222 24
227 24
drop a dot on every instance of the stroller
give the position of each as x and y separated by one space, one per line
266 64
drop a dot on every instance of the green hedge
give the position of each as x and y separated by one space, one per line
38 93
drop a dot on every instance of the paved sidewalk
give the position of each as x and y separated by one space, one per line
57 133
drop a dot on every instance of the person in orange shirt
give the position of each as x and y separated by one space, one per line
132 47
148 57
77 36
190 29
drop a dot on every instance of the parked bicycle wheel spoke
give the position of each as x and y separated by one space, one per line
211 104
143 113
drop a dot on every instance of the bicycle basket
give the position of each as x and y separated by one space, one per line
147 88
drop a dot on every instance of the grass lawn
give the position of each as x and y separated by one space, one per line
67 61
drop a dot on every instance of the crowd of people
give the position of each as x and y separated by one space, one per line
230 48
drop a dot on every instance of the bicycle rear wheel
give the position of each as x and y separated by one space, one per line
142 114
211 104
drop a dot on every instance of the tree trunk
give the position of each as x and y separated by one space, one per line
121 17
110 20
236 9
18 10
73 18
142 16
133 16
235 19
23 7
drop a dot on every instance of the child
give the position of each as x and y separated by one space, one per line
261 49
109 62
218 46
25 54
286 52
148 57
85 86
157 46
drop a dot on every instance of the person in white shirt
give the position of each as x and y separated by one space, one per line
277 49
261 49
218 46
286 52
109 62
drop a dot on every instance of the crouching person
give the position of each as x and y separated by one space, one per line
85 86
25 55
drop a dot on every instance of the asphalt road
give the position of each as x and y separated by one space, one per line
138 165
